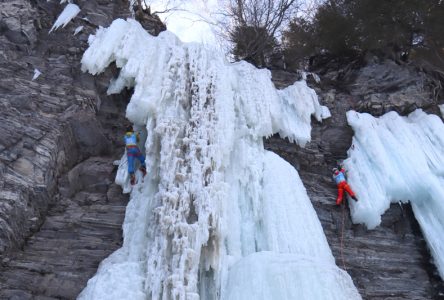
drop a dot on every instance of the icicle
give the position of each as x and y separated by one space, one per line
70 12
37 73
78 29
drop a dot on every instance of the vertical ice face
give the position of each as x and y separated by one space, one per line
396 158
217 216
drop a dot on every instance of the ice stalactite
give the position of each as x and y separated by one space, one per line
69 13
216 211
36 75
394 159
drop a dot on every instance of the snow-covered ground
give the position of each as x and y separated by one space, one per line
217 216
396 158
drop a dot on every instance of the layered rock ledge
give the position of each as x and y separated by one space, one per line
60 212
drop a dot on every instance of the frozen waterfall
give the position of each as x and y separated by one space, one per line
217 216
396 158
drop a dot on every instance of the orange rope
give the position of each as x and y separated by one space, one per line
342 237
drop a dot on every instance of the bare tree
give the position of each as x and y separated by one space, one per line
253 26
145 6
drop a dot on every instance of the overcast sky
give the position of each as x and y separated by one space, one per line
191 20
188 22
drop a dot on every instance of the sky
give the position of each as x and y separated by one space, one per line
191 19
194 20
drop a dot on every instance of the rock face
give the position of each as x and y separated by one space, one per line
59 136
392 261
79 231
48 125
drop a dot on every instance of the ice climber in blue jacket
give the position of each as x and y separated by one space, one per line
133 152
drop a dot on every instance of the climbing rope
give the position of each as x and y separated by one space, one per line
342 237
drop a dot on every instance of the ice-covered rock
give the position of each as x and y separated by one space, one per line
215 207
441 108
394 159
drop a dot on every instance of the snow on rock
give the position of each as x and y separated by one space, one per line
394 159
215 208
70 12
36 75
78 29
441 107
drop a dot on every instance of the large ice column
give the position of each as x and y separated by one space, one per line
215 205
396 158
276 241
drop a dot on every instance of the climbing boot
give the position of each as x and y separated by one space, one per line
132 179
143 170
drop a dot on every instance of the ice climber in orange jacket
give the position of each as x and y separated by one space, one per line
341 182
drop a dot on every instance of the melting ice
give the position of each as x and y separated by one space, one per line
217 216
396 158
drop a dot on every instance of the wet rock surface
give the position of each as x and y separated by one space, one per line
392 261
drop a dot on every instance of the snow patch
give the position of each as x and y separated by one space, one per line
215 208
37 73
78 29
69 13
394 159
314 75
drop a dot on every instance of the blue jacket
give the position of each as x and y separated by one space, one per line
131 139
339 177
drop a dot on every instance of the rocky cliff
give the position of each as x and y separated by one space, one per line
60 212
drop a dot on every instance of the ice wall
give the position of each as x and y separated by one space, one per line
396 158
217 216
